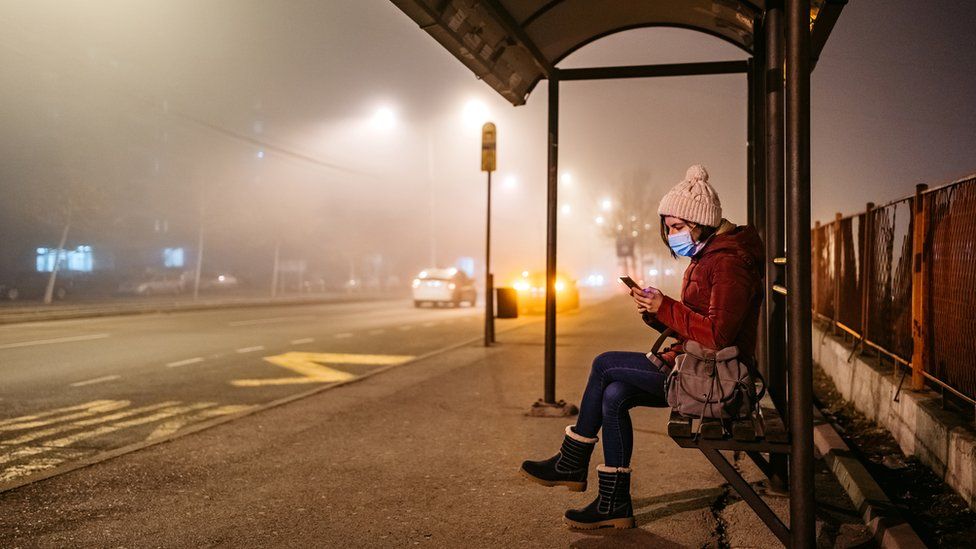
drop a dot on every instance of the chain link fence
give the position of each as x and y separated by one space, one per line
863 281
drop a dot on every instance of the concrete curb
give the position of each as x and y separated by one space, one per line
884 520
95 311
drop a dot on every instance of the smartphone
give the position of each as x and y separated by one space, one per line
630 283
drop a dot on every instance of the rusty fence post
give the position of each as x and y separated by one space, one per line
815 264
835 249
867 271
920 352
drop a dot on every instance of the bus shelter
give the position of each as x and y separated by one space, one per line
514 44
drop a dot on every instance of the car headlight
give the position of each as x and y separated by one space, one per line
416 283
520 285
451 286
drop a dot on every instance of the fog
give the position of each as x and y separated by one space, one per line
340 137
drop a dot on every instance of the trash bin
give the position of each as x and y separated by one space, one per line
506 303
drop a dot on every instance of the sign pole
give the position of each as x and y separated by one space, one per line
488 136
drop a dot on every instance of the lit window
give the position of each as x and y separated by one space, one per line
172 257
80 259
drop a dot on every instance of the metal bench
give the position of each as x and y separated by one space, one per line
764 433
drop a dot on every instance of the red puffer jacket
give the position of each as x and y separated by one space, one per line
720 295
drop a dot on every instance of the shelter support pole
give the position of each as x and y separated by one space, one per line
802 501
548 406
551 221
775 318
867 270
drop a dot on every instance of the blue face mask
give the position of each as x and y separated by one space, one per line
682 244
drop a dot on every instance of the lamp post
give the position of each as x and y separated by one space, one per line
488 165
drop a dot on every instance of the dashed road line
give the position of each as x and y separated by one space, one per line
243 350
52 341
275 320
303 341
187 362
102 379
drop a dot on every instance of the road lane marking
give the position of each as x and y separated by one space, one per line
30 451
95 407
243 350
303 341
275 320
53 412
312 367
86 422
187 362
343 335
52 341
96 380
170 427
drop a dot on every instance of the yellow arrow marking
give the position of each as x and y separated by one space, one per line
312 367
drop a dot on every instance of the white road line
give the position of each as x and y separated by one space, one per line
51 341
343 335
275 320
243 350
303 341
187 362
94 381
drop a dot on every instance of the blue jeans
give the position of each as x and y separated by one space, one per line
619 380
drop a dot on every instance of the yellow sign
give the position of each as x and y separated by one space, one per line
312 368
488 147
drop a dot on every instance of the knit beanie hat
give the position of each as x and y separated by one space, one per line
693 199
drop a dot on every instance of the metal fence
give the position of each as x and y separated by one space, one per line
864 282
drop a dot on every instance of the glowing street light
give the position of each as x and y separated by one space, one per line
475 113
600 220
566 178
606 205
566 209
510 183
384 119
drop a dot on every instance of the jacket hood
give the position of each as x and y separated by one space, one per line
743 241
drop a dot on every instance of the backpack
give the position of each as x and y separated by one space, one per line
713 384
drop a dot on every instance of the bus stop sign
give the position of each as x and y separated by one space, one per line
488 147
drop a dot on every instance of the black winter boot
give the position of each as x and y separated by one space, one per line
567 468
611 508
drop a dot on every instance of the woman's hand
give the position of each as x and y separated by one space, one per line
648 300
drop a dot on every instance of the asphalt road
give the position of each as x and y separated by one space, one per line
74 388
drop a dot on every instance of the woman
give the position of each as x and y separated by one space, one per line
719 307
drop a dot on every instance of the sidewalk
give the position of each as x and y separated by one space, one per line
423 454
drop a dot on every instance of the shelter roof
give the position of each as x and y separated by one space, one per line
512 44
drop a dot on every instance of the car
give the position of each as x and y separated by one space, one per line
219 282
154 284
33 285
443 286
531 288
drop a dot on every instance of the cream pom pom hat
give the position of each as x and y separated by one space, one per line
693 199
